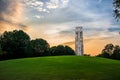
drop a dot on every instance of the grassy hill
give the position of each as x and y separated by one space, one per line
60 68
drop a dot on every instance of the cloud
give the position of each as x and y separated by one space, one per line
10 10
34 3
11 15
39 16
42 10
6 26
45 7
114 29
53 4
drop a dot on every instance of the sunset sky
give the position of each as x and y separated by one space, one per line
55 21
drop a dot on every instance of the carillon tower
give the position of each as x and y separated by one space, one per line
79 47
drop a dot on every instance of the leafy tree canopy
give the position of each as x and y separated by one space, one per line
111 51
61 50
40 47
116 4
14 42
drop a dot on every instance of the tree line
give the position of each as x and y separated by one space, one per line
111 51
17 44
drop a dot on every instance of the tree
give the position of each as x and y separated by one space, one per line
1 54
0 50
69 50
14 43
57 50
40 47
116 53
53 51
86 54
111 51
61 50
116 4
107 51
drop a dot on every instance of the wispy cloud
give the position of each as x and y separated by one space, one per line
11 15
44 7
39 16
11 10
53 4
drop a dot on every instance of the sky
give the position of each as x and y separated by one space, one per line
55 21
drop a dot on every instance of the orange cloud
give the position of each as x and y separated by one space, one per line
11 15
6 26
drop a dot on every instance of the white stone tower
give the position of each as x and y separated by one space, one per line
79 48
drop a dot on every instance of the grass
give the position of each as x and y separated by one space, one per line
60 68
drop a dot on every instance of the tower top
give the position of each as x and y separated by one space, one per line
79 28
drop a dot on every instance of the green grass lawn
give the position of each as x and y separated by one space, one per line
60 68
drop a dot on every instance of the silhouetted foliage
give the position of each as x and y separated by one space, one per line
40 47
86 54
107 51
1 53
69 50
0 50
111 51
116 4
116 53
61 50
53 51
14 43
